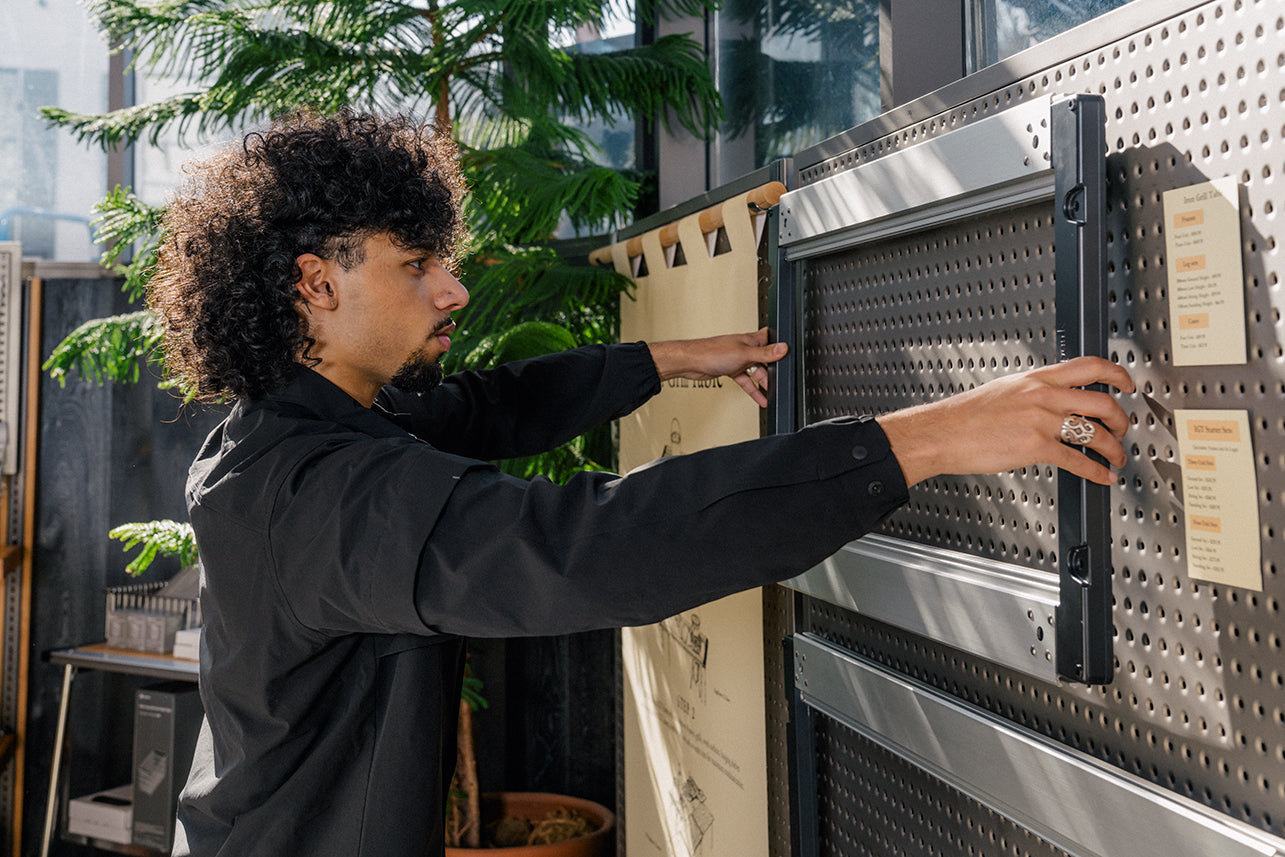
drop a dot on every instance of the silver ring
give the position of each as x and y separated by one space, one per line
751 370
1078 430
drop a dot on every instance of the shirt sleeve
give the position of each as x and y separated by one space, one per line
510 558
528 406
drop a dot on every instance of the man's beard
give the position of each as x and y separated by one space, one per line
418 374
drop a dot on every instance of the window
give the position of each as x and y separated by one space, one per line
50 54
1000 28
615 140
792 74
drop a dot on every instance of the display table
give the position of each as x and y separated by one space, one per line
99 656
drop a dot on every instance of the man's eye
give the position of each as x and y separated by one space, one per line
417 264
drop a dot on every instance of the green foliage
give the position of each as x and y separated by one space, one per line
158 538
528 339
528 191
513 285
518 104
125 221
106 349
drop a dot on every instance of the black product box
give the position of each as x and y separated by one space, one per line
166 719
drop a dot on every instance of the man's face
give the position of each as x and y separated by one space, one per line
393 318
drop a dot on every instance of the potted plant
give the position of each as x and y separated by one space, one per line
517 824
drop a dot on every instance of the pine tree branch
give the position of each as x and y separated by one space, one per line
510 285
125 222
521 196
106 349
158 538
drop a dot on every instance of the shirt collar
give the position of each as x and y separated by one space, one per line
310 392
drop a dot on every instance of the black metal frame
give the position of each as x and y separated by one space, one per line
1084 651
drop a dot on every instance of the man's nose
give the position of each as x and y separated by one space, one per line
451 295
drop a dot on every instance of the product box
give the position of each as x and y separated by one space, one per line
187 644
142 630
159 630
166 719
106 815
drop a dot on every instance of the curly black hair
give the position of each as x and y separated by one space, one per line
225 274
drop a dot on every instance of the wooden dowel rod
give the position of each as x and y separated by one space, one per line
763 198
711 219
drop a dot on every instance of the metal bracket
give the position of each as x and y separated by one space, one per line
1078 142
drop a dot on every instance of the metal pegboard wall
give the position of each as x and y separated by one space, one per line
873 802
1198 702
897 322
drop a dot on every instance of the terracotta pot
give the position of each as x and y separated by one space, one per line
535 806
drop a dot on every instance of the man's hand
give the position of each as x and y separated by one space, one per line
740 356
1013 422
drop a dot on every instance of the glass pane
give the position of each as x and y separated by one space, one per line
50 55
1002 28
158 169
614 137
792 74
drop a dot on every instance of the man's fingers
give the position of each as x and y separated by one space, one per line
1099 406
1105 445
771 353
750 384
1083 371
1073 461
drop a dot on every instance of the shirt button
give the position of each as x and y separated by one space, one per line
859 452
874 489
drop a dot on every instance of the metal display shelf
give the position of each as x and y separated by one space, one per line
99 656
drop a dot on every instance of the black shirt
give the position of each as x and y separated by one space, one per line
346 550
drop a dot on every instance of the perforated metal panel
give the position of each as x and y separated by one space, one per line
873 802
1198 702
901 321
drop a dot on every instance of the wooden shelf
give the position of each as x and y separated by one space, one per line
100 656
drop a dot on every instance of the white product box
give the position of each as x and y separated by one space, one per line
106 815
187 644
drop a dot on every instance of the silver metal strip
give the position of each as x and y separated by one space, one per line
1000 161
1004 613
1070 799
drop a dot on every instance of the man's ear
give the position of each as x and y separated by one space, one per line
313 283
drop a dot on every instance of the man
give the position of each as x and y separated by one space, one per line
351 534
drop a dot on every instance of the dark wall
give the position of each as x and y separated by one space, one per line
107 455
561 716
